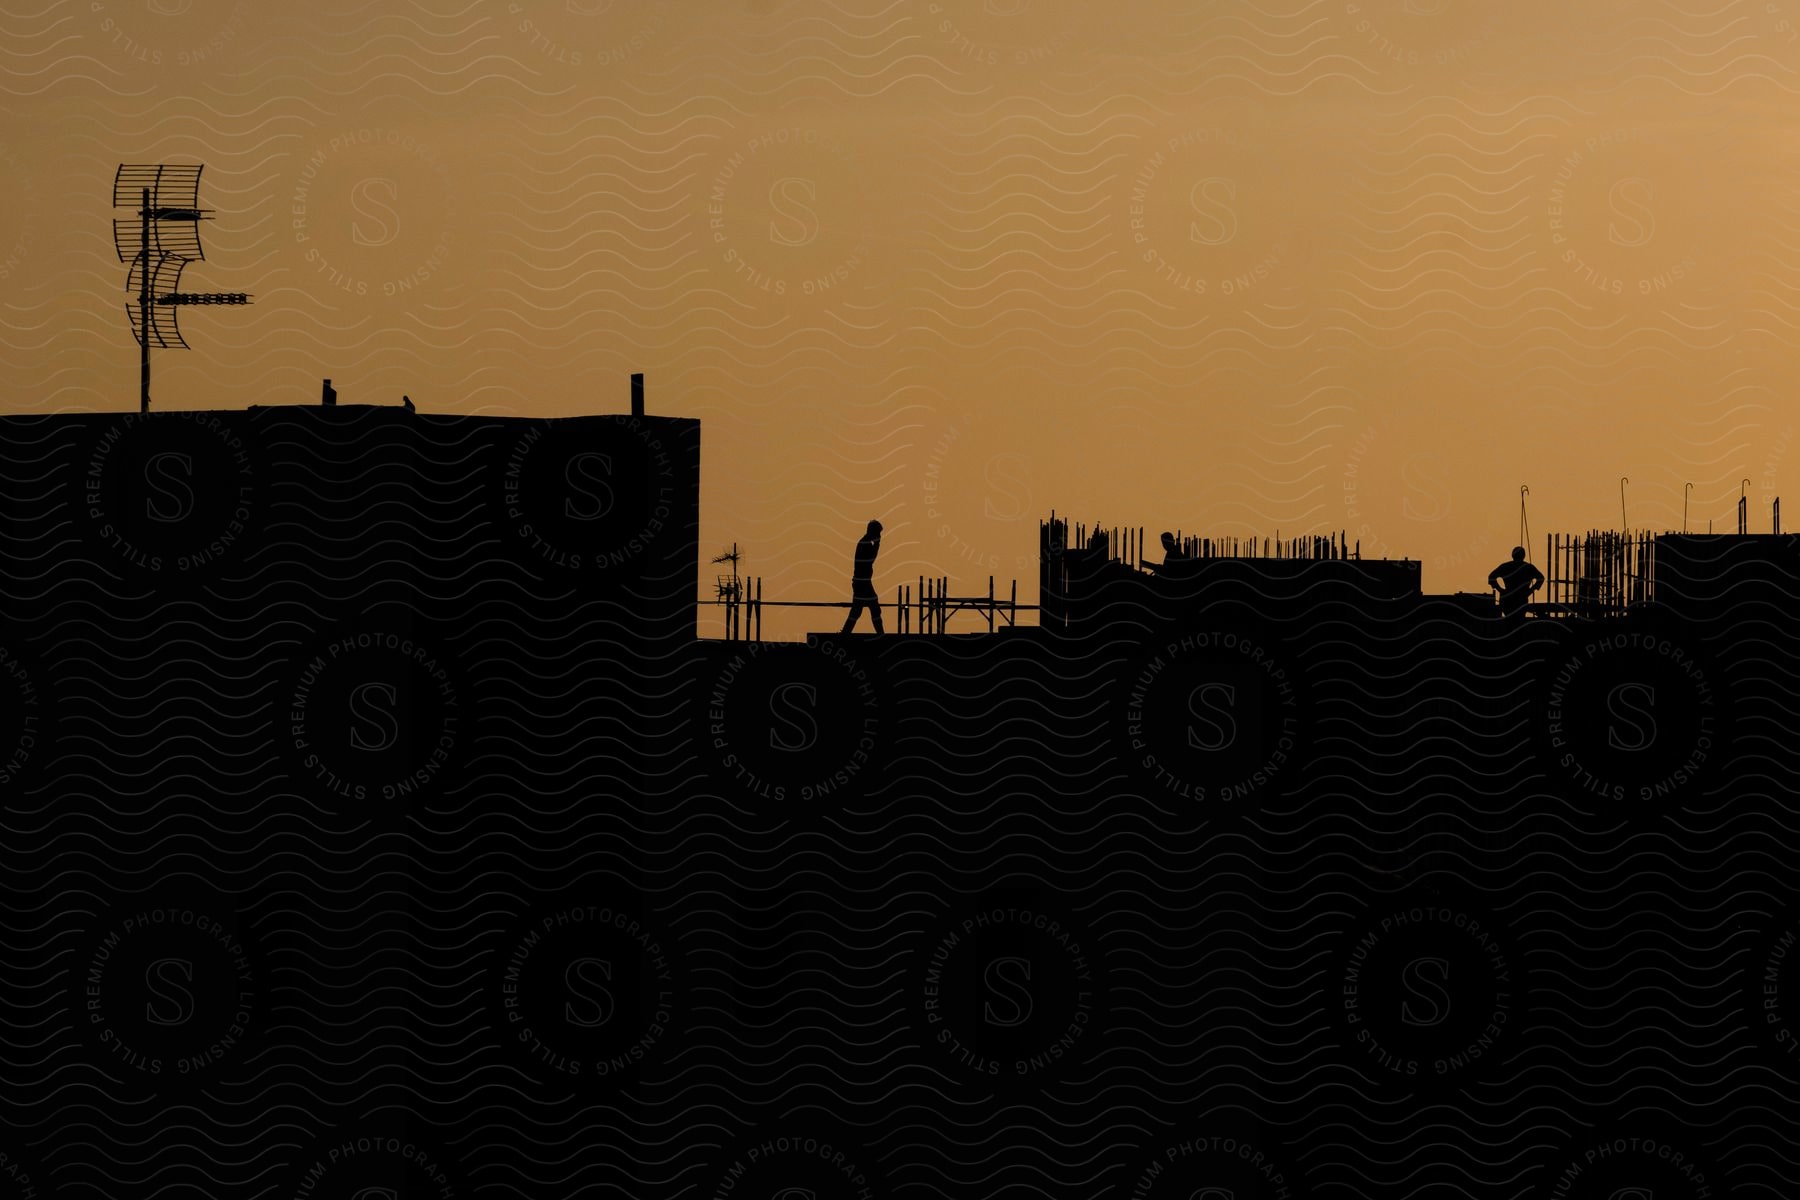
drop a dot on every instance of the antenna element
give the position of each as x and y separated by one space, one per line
159 241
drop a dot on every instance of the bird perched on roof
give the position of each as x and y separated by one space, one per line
406 402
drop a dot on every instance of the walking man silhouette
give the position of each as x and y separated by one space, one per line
862 579
1520 579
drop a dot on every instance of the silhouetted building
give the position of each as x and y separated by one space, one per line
1702 575
1086 586
323 507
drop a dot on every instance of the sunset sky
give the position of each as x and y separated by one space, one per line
1226 267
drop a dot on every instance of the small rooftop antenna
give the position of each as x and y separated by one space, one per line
158 242
731 556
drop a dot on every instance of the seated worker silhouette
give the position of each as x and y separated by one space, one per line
1520 579
862 580
1174 557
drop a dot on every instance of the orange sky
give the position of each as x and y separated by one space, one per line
1229 267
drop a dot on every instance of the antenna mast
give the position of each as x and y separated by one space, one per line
163 238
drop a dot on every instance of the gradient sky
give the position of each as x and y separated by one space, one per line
1218 266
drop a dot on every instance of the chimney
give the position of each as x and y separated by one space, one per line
637 394
329 397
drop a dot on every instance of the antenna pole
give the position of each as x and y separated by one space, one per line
164 192
144 310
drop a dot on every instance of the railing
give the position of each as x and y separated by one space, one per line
1127 545
1596 574
1062 543
922 608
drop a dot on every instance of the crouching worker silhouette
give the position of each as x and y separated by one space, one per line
862 579
1520 579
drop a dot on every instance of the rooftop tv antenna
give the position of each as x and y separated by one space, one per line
158 242
730 589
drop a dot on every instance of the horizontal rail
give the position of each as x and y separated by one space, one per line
847 603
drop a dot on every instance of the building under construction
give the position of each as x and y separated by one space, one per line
411 711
